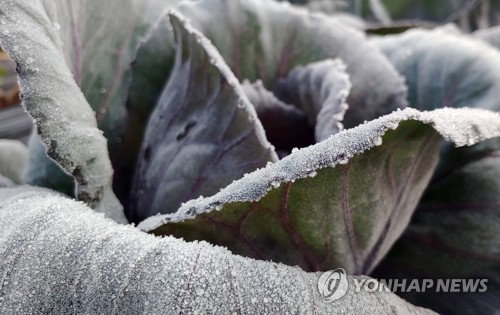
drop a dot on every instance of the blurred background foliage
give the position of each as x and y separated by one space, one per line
470 15
9 91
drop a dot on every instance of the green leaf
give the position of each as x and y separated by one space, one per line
12 159
458 222
73 261
63 118
457 217
454 233
340 203
265 40
202 135
425 10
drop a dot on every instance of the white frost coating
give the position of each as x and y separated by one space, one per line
321 90
463 126
74 261
202 134
63 118
25 190
13 156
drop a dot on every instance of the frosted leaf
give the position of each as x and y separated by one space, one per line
199 138
74 261
351 212
260 46
444 69
458 221
97 40
321 90
12 159
63 117
268 39
457 217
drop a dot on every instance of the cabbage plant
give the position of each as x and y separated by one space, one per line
215 156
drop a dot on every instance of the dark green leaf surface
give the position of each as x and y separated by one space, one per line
454 238
340 203
203 134
454 232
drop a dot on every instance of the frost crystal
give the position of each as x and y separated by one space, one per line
463 126
60 257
